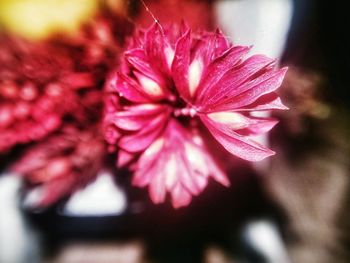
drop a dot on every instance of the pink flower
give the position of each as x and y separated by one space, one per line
171 84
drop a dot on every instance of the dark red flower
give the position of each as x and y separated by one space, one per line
170 83
48 83
62 163
39 86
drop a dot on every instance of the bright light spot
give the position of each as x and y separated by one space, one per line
15 238
102 197
265 238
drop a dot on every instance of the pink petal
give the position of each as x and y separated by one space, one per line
192 181
154 89
180 197
111 104
236 144
157 189
235 80
217 68
175 163
202 165
220 43
147 163
140 140
137 58
268 83
180 65
217 173
155 45
269 101
124 158
246 125
136 117
129 88
209 46
258 126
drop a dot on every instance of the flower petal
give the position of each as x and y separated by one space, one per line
253 90
124 158
258 126
182 165
140 140
233 120
152 88
246 125
236 144
269 101
155 45
209 46
148 160
129 88
136 117
234 80
180 66
157 190
216 69
137 58
180 197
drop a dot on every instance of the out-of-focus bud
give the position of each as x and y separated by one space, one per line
62 163
304 91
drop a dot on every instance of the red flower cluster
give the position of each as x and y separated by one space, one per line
172 83
42 84
33 84
51 94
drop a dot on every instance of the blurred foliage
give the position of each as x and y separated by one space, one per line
37 19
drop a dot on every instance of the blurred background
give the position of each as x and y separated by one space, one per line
62 201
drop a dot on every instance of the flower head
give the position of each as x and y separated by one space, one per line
170 85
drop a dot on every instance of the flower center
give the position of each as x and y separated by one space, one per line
185 112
